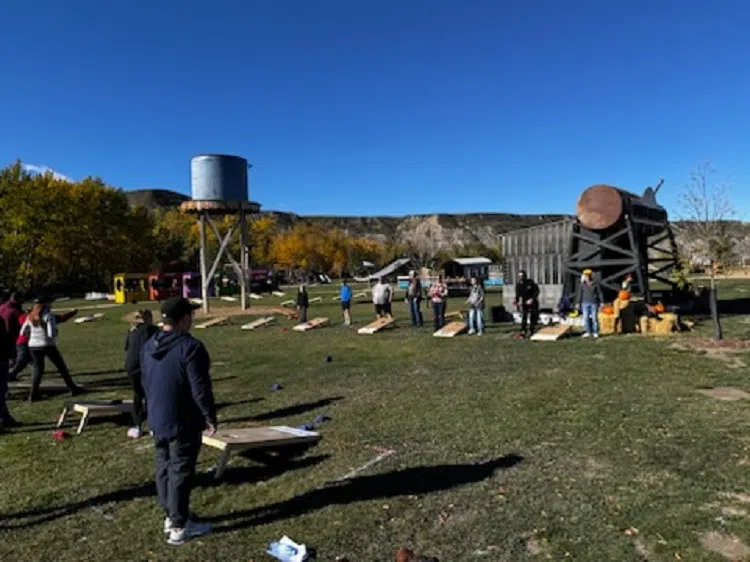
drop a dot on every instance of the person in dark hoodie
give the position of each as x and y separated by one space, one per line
180 402
6 345
138 335
527 301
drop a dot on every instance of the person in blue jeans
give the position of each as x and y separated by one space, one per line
476 307
590 301
414 300
346 302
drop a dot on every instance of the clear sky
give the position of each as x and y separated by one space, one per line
383 106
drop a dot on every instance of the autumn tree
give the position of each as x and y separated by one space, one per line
707 215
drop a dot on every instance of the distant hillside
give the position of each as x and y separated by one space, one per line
154 198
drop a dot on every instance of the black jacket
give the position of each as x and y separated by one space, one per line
303 300
177 384
526 290
137 337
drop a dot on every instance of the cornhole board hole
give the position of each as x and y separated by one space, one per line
255 296
278 294
375 327
91 318
87 408
552 333
451 330
214 322
228 299
312 324
316 299
259 323
267 444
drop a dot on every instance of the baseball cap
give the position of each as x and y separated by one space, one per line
176 308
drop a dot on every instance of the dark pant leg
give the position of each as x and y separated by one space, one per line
37 371
413 311
534 316
23 360
183 454
303 315
57 360
5 416
442 312
524 318
139 398
161 446
420 318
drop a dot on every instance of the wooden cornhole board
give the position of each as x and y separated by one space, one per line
360 296
214 322
84 319
259 323
375 327
278 294
451 330
255 296
312 324
290 302
552 333
316 299
271 443
87 408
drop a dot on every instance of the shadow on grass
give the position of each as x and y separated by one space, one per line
412 481
734 306
234 476
94 373
222 405
287 412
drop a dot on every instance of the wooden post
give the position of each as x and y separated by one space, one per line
243 259
204 272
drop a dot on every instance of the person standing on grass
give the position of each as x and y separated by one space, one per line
142 331
527 301
590 301
10 313
382 296
414 300
6 347
476 307
180 402
438 294
346 302
40 328
303 303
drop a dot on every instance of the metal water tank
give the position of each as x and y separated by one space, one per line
218 177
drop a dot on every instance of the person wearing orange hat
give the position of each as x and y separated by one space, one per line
590 300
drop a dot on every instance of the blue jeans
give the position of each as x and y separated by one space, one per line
415 309
438 312
476 320
591 314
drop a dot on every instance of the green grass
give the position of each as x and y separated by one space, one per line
586 438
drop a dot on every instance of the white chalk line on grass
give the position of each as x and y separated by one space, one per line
372 462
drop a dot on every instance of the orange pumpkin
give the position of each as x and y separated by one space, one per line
624 295
608 309
659 308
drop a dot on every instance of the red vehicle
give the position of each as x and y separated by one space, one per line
163 286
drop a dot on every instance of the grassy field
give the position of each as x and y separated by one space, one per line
501 450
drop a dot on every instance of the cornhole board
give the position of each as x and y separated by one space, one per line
84 319
336 298
268 444
290 302
316 299
312 324
359 295
278 294
87 408
375 327
255 296
228 299
451 330
552 333
196 301
214 322
259 323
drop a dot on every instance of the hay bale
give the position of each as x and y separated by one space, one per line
607 323
663 326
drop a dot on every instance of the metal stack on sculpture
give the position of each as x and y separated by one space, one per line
219 188
617 233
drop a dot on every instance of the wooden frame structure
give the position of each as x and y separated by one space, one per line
89 407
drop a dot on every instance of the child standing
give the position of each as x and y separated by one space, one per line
138 335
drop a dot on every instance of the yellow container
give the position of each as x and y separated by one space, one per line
131 287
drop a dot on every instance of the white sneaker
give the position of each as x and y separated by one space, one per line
596 335
168 526
586 335
191 530
472 332
134 432
480 333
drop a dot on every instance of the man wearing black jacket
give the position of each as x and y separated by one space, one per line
180 404
527 300
142 331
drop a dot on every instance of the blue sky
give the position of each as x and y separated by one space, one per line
387 106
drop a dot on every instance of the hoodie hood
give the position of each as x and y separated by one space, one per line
166 342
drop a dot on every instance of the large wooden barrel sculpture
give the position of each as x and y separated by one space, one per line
603 207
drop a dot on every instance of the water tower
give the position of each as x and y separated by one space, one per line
219 188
